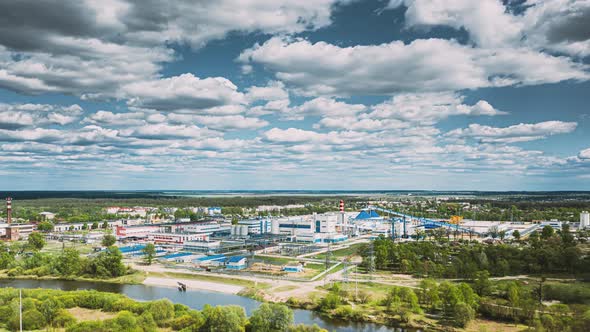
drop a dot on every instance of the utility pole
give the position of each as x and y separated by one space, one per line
356 282
20 308
371 266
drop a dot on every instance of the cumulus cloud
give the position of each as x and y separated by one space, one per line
183 92
166 132
487 21
556 25
92 50
274 90
517 133
17 116
115 119
429 108
423 65
584 154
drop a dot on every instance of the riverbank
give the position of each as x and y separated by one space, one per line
193 284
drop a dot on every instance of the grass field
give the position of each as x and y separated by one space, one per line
341 253
56 247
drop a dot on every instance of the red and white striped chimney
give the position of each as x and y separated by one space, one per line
342 206
8 210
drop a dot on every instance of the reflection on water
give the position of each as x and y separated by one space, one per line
193 299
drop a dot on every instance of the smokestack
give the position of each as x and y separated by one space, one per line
8 210
342 206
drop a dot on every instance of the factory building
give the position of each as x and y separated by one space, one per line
584 220
313 228
138 232
202 228
176 238
132 211
214 210
256 226
203 246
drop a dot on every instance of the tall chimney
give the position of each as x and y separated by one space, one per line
8 210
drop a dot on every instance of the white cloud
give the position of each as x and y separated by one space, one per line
429 108
555 25
584 154
166 132
487 20
183 92
228 122
116 119
121 42
274 90
517 133
16 116
422 65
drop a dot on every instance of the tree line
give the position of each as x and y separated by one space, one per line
25 258
545 252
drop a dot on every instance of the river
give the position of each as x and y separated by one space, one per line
195 300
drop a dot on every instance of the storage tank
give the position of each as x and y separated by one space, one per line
274 227
244 230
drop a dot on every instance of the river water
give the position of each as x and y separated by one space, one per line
195 300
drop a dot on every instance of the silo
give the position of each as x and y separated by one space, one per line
244 230
274 227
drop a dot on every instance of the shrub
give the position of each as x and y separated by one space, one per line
33 320
331 301
89 326
63 318
161 310
147 322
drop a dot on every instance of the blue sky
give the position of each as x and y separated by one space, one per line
327 94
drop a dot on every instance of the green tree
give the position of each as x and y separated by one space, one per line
516 235
36 241
271 317
224 319
108 240
45 226
547 232
149 253
108 263
462 314
482 283
429 293
69 263
95 225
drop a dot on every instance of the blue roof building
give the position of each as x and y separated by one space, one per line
367 214
236 263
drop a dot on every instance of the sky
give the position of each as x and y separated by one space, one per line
285 94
